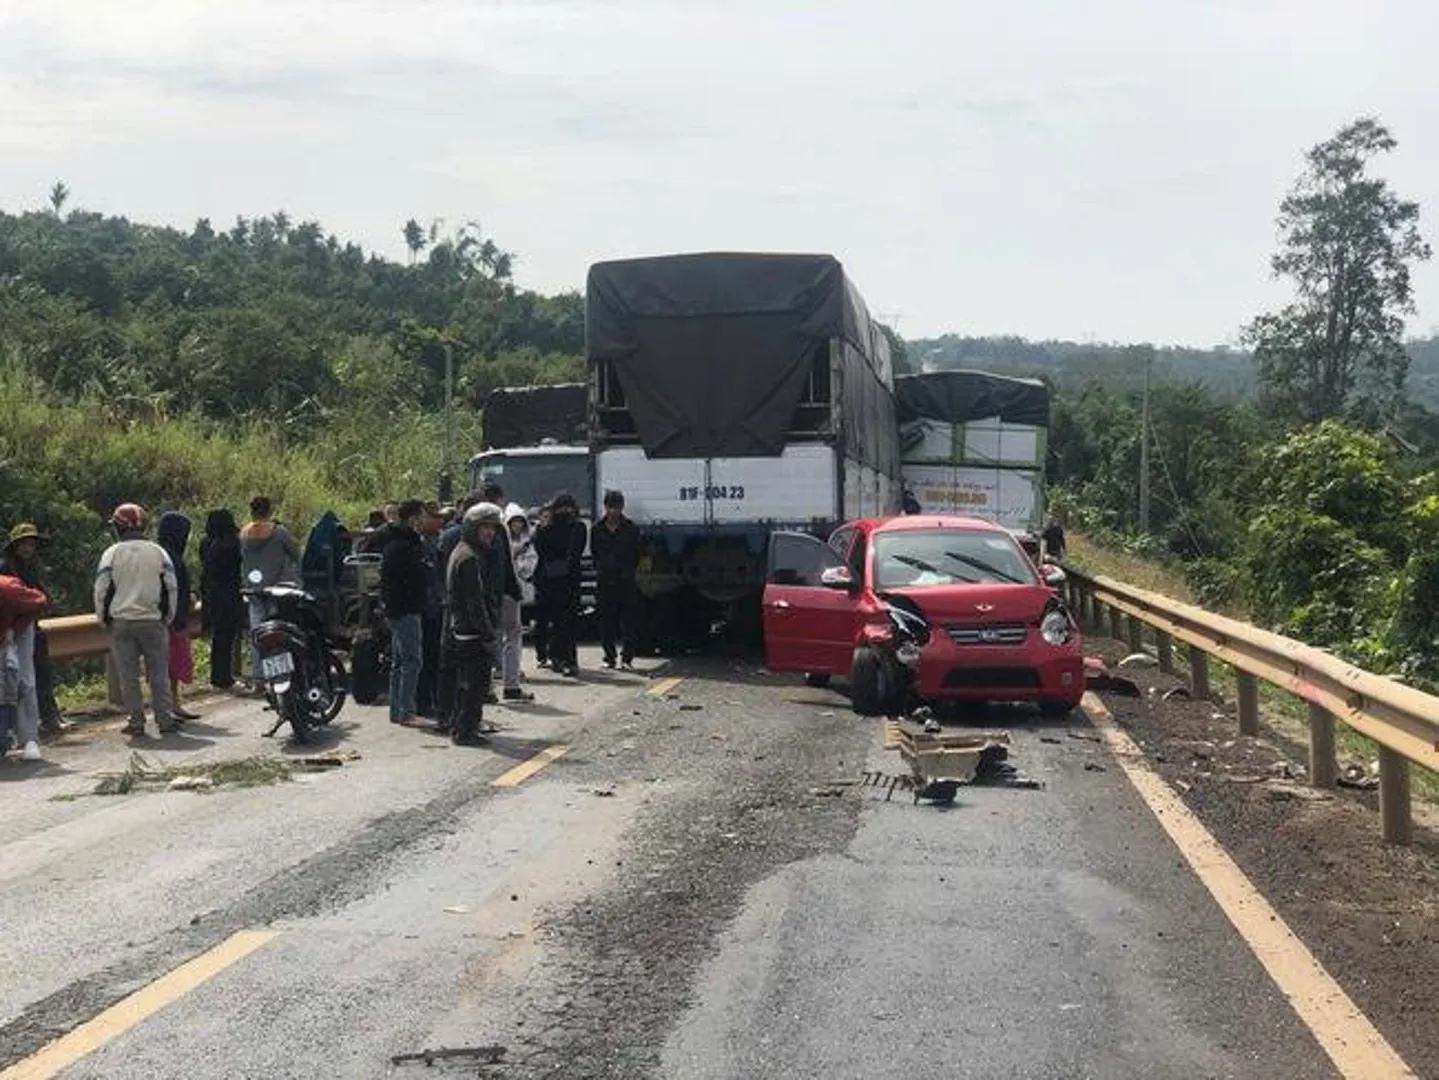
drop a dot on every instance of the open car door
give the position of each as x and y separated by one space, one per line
811 601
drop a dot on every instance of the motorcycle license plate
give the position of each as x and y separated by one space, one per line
273 667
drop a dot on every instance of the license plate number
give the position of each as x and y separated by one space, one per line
274 666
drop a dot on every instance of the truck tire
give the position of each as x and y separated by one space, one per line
365 670
817 680
875 684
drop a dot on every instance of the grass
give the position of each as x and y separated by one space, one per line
141 774
1286 716
1131 569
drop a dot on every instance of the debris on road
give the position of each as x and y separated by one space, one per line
1178 692
480 1055
1139 660
1087 736
1094 766
603 793
457 909
691 708
1099 679
1050 739
142 774
1357 777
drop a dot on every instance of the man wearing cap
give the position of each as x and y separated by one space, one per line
135 597
473 621
20 609
20 559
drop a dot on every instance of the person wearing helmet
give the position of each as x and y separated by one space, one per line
474 620
136 597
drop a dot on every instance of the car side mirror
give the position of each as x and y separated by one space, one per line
1053 575
837 577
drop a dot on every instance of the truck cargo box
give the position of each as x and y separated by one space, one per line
529 415
972 418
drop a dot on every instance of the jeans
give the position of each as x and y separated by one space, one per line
257 616
24 715
474 660
617 604
407 656
130 642
512 635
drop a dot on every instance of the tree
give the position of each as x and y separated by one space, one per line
415 239
58 194
1347 242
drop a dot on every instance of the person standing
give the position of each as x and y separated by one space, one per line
473 621
135 592
1053 537
21 558
20 608
448 682
427 696
266 546
172 532
404 587
560 546
615 546
521 556
541 628
221 605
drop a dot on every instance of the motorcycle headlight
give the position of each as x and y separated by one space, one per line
1054 628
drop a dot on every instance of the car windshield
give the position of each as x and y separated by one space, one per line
533 480
922 558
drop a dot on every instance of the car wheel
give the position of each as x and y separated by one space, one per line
816 680
1056 710
875 687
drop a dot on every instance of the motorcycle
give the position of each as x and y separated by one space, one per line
303 676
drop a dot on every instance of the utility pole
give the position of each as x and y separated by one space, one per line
449 404
1144 437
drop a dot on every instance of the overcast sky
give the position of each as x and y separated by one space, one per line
1103 169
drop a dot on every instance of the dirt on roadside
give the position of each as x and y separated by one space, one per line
1369 911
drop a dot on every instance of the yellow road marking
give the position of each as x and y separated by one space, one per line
55 1057
525 769
664 686
1353 1044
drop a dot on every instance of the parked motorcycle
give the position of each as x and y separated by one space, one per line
303 676
370 638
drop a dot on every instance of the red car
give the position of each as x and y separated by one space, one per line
922 609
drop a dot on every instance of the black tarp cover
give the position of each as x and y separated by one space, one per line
713 351
958 397
523 415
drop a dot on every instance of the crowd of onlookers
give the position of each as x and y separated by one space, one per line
454 582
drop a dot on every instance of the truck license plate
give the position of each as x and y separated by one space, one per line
275 666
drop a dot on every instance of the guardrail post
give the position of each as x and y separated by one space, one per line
1394 796
1165 645
1248 703
1116 624
1322 765
1198 673
1136 635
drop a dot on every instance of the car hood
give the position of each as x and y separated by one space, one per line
987 603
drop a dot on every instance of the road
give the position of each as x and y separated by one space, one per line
672 891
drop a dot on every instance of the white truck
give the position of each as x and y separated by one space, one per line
974 443
733 395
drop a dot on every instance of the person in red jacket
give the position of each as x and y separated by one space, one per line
20 607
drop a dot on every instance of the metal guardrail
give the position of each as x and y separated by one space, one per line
1402 720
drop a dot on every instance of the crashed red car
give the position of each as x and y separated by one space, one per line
922 609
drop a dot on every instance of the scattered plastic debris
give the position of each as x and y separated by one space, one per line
1139 660
1356 776
457 909
1094 766
1178 693
482 1055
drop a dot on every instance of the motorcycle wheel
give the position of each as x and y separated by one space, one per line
297 712
335 677
365 683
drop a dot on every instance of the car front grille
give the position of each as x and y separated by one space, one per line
992 634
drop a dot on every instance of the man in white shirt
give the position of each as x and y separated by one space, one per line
135 596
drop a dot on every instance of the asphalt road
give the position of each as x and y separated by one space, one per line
676 896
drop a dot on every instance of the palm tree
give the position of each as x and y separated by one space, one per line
414 239
58 194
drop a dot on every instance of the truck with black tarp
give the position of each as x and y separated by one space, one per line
975 443
733 395
537 446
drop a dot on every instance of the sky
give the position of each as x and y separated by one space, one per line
1102 170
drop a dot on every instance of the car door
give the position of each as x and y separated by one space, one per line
808 626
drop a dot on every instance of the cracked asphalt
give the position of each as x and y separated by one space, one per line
679 895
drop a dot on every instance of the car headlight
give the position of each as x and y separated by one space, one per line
1054 628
